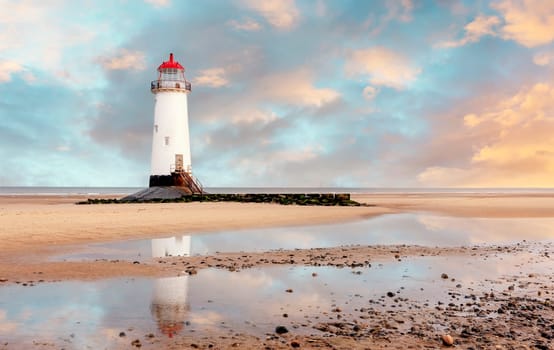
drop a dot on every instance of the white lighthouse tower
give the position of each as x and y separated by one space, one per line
171 160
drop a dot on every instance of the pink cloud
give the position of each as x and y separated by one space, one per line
248 25
296 88
213 77
480 26
125 59
281 14
544 58
158 3
529 22
512 144
7 68
382 66
370 92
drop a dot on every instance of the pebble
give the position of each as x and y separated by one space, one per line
289 290
122 334
444 276
281 330
447 339
295 344
136 343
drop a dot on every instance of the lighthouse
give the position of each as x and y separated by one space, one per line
171 159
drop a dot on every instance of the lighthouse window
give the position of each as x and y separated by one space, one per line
156 128
167 140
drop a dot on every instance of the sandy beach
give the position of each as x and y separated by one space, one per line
34 228
494 205
30 224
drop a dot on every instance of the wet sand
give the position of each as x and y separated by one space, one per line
33 225
514 311
32 228
466 205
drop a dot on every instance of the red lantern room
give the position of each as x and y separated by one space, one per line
171 77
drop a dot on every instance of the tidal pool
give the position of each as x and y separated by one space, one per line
80 315
420 229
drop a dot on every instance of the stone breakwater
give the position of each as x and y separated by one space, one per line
321 199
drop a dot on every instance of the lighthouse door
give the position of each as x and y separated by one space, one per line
178 163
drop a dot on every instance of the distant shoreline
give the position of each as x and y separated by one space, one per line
120 191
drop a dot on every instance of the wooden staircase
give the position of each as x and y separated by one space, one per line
184 179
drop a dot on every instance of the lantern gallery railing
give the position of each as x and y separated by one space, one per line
170 85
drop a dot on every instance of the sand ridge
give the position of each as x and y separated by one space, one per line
29 226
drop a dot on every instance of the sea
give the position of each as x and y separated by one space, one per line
66 191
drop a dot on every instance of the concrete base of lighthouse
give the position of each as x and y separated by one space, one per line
179 179
173 186
151 193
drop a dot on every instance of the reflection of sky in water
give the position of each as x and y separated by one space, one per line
251 300
420 229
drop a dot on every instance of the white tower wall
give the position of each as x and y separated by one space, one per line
171 132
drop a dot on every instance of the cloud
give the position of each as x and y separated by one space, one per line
18 9
395 11
480 26
544 58
46 38
281 14
125 59
512 142
529 22
254 116
382 66
370 92
213 77
402 10
63 148
295 156
7 68
296 88
248 25
158 3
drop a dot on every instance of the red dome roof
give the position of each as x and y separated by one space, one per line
171 64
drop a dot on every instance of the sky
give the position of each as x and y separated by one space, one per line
400 93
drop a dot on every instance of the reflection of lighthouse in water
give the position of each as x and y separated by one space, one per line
169 299
172 246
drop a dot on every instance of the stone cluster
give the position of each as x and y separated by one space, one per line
322 199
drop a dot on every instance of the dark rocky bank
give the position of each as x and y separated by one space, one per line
153 196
